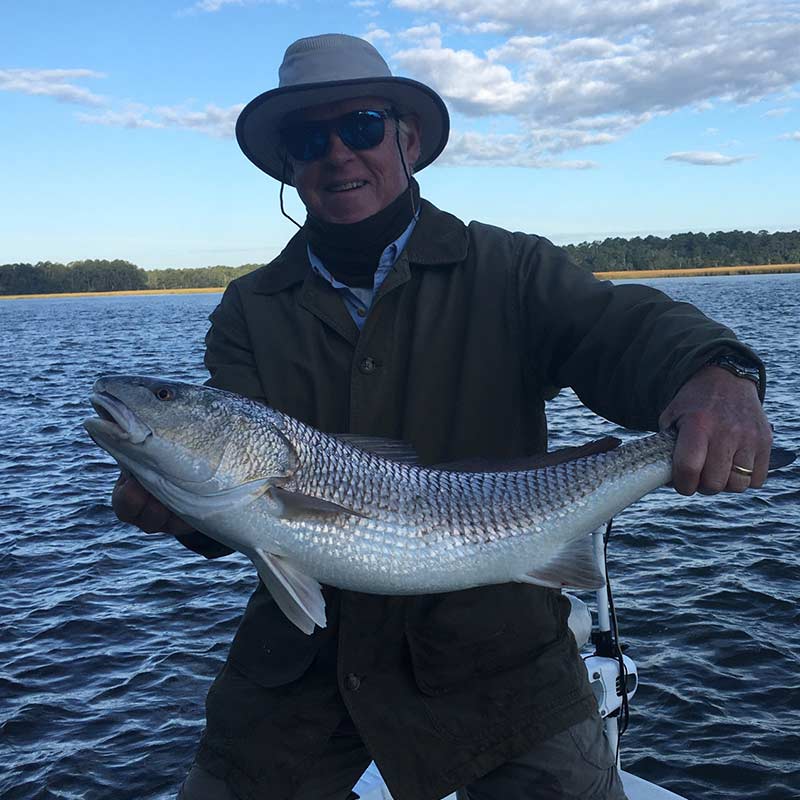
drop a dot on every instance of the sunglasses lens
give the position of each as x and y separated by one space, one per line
361 130
306 141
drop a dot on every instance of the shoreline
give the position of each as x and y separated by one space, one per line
698 272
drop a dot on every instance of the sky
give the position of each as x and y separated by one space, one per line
572 119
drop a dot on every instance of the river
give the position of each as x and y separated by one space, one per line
111 637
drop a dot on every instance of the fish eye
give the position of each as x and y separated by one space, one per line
164 393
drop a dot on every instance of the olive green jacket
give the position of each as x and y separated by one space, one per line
472 330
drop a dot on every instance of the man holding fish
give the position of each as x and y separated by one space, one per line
386 317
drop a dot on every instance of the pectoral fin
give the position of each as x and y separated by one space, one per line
297 595
300 506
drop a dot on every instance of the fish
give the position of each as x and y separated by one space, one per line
360 513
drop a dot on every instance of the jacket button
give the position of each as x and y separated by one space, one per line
352 682
367 366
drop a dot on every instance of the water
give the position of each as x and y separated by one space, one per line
111 637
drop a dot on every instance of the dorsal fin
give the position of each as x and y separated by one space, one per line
538 461
390 449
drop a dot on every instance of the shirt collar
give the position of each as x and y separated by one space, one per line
437 239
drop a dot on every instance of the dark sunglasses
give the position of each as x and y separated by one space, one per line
359 130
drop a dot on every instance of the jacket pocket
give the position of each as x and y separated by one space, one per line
457 638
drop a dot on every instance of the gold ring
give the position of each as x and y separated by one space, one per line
741 470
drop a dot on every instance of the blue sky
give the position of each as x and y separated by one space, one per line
574 120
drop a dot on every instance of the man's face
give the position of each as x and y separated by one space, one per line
345 185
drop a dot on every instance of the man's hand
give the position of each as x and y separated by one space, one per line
720 424
133 504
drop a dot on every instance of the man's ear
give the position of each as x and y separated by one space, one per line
413 138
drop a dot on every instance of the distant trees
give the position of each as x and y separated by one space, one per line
196 278
681 251
78 276
687 250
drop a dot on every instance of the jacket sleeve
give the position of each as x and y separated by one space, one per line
230 362
229 355
625 349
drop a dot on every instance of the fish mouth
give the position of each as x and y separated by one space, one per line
116 419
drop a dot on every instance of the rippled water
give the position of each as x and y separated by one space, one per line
111 637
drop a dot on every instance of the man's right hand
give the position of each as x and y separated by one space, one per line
134 504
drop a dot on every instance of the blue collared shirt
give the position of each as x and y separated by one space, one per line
358 300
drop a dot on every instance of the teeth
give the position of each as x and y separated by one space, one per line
343 187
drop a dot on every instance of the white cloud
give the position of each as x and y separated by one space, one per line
547 15
706 159
777 112
505 150
472 85
428 36
212 120
586 72
212 6
56 83
375 34
794 136
130 118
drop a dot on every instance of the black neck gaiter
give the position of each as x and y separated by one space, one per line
351 252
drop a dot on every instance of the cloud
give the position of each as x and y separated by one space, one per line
212 6
777 112
794 136
366 7
500 150
56 83
131 118
375 34
547 15
706 159
212 120
581 73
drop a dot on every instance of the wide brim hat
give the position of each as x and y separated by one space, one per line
326 69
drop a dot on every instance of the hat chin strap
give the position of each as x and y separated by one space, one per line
283 183
414 209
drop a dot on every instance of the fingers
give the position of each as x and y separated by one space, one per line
720 425
688 460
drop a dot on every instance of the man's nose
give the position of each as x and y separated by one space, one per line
337 149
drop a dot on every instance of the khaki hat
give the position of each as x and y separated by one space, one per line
326 69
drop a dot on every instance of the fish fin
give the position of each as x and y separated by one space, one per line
298 595
390 449
538 461
573 565
780 457
297 505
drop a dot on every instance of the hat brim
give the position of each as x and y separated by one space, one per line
257 128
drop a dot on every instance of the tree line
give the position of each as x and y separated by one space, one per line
688 250
681 251
96 275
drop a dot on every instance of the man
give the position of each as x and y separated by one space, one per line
389 317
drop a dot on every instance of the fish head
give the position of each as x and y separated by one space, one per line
204 440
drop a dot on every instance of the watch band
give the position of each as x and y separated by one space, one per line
739 367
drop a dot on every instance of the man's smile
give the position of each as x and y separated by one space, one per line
346 186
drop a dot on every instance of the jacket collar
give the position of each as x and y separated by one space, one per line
438 238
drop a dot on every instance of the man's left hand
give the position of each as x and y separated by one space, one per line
720 425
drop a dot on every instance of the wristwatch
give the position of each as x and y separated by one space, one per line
740 367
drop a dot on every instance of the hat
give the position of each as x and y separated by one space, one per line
326 69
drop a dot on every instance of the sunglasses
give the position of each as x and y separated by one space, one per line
359 130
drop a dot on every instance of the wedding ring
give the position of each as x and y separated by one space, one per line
741 470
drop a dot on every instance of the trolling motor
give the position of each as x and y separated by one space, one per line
613 676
